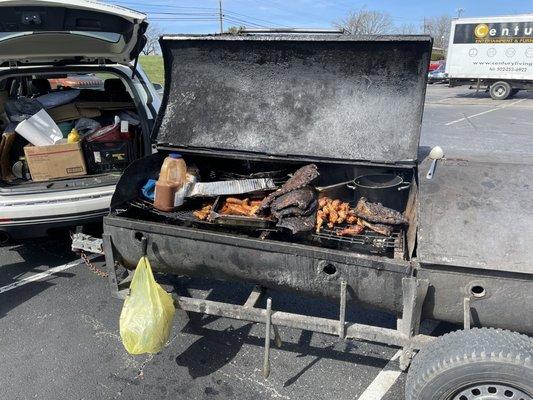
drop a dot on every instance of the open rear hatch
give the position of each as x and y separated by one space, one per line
58 32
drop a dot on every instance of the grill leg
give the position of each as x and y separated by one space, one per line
342 311
467 313
414 293
111 266
266 362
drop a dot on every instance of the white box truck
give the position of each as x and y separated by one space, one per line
495 53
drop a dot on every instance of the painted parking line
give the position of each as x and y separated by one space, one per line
484 112
42 275
390 374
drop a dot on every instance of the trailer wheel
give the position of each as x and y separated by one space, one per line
476 364
500 90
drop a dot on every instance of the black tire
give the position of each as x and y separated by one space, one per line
472 364
500 90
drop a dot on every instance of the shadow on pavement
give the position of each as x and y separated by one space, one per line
215 348
27 258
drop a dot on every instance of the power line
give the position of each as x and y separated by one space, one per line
242 21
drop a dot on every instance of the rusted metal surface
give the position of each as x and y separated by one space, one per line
284 94
414 294
268 323
477 215
286 266
316 324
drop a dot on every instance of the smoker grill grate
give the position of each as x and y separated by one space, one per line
368 240
185 215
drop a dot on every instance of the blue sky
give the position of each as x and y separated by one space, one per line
189 16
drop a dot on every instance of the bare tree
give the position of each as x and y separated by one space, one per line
407 29
366 22
236 30
152 40
439 28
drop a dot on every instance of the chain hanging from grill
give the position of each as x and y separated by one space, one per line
93 267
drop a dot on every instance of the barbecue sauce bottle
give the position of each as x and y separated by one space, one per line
172 177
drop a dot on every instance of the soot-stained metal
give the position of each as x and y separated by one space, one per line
327 96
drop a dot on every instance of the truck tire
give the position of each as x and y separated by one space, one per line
476 364
500 90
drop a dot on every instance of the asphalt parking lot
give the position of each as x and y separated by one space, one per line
59 326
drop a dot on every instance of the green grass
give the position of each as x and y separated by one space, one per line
153 66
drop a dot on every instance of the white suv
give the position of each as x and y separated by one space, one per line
51 39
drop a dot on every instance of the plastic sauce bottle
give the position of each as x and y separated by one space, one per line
73 136
172 177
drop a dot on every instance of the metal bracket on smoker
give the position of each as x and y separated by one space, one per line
117 288
414 292
467 313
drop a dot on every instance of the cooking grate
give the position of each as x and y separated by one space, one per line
368 241
185 215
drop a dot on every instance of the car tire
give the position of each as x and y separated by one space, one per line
500 90
473 365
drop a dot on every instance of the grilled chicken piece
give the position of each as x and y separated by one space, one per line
352 230
323 201
203 213
351 219
320 217
234 200
302 177
379 228
377 213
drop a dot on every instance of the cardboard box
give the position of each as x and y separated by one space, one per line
56 161
69 112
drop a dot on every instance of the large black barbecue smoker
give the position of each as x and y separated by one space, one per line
245 106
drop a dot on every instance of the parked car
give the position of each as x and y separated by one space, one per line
103 40
433 65
438 75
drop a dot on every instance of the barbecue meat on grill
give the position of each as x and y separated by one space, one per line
377 213
352 230
379 228
299 224
302 177
300 198
295 211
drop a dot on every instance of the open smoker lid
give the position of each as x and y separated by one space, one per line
320 96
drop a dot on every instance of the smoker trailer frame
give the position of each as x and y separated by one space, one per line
407 335
459 265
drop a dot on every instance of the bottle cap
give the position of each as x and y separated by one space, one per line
174 155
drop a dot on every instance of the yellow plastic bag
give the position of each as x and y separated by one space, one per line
146 318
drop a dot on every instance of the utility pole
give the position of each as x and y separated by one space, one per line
220 15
